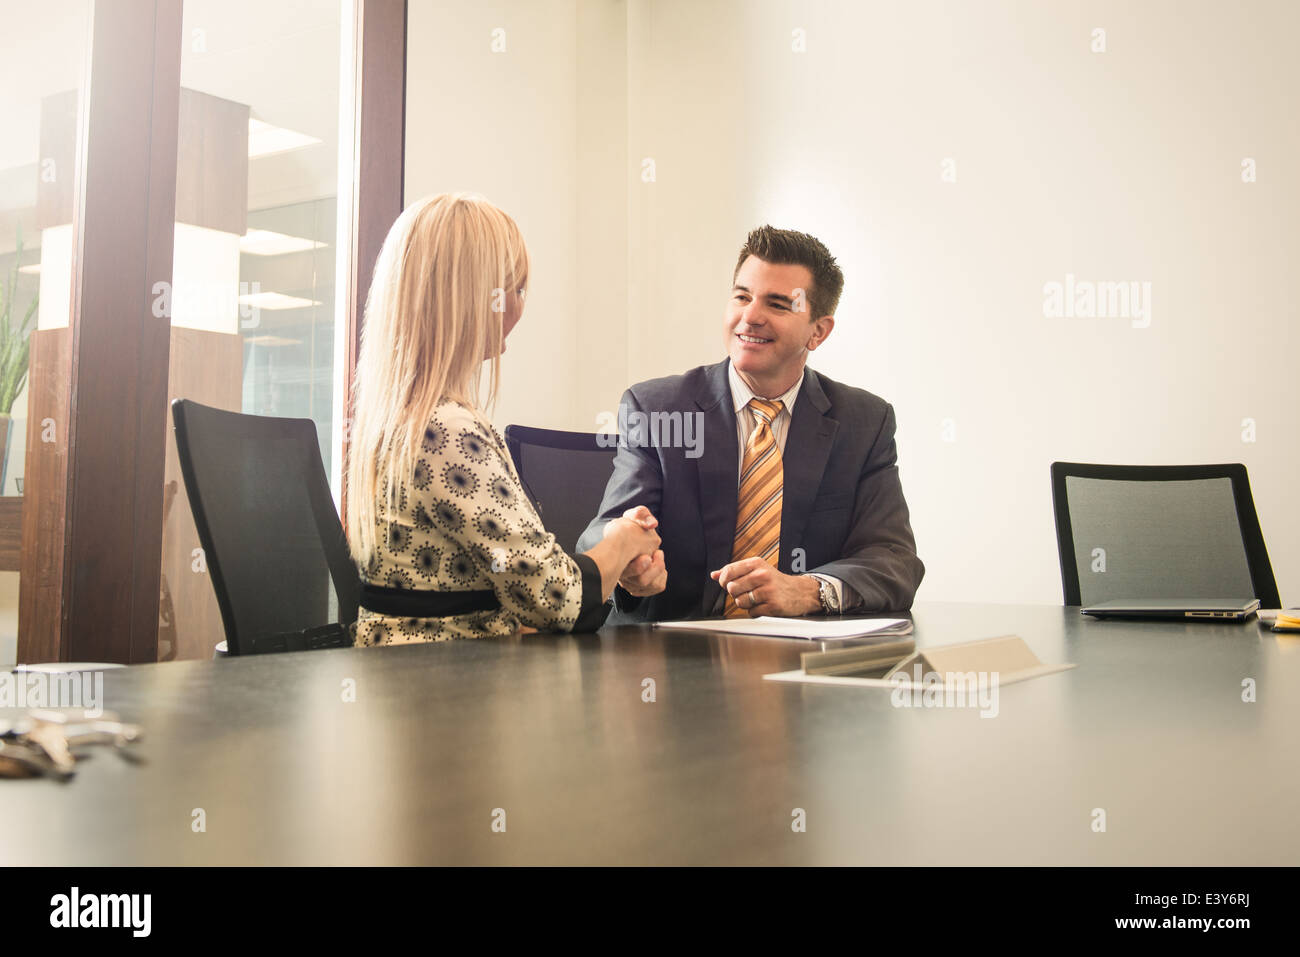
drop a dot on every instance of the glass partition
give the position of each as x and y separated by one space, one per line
43 50
253 299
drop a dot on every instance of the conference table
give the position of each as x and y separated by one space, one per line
636 745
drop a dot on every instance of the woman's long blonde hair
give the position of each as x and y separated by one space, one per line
434 313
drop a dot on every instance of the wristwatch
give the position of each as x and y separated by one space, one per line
826 592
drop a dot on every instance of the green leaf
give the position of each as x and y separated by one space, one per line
15 344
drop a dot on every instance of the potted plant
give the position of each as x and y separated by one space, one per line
15 345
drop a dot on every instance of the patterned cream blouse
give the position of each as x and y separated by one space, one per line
464 524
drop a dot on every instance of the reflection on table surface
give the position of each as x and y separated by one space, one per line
634 745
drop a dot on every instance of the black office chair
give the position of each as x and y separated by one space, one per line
274 546
1159 531
565 474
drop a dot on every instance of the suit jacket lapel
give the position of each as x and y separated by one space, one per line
807 448
718 471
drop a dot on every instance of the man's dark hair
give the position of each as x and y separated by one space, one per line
786 247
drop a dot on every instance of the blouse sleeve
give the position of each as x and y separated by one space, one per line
468 488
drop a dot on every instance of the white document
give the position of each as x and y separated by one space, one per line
768 627
905 679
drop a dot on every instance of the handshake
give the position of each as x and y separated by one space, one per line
756 587
635 533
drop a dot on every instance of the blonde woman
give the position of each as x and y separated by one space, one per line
448 544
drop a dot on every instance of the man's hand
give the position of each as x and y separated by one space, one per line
759 589
645 575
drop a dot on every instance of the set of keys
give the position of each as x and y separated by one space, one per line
45 741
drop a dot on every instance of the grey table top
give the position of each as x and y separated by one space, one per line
554 732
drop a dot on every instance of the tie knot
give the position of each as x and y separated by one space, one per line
766 409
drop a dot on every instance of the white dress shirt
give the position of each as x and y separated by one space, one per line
747 421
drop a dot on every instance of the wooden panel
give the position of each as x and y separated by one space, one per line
97 599
379 154
11 533
206 367
57 166
40 586
212 163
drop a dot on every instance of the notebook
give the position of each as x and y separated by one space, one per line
1234 609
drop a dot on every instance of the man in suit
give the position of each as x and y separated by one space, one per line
791 503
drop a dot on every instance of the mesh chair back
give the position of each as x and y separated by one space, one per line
565 474
273 543
1159 532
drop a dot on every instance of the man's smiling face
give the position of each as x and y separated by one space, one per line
767 339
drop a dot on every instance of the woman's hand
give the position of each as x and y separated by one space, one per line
625 539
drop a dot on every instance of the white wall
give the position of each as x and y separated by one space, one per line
506 125
1111 166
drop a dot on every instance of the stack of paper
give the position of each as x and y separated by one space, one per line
835 629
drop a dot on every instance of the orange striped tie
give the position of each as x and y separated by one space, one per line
758 507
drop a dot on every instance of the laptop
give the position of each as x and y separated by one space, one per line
1231 609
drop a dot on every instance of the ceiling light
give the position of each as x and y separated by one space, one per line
264 242
275 300
265 139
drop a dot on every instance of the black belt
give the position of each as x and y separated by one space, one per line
405 603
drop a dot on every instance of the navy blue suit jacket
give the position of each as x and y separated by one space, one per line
843 511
